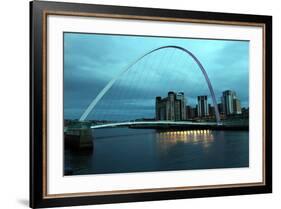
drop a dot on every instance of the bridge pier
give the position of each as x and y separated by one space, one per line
78 137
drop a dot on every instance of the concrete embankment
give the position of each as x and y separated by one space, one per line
193 127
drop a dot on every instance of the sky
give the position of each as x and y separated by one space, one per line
92 60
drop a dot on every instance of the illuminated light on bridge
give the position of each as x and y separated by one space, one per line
109 85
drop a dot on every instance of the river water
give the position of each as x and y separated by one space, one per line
123 150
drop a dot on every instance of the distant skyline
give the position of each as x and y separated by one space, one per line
92 60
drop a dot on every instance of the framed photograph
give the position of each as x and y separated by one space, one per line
139 104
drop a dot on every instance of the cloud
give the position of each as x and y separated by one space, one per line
92 60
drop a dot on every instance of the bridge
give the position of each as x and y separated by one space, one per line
156 124
109 85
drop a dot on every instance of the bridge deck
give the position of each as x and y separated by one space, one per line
156 123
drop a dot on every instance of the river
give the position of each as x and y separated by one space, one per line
123 150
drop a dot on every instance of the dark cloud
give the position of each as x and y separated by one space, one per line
91 61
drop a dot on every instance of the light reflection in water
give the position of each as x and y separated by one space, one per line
166 139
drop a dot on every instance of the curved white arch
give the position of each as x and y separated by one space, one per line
110 83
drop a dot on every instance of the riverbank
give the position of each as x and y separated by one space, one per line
192 127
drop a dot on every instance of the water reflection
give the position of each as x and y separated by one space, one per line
166 139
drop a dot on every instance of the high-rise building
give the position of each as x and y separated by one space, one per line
220 108
227 102
230 102
212 111
171 107
195 110
160 109
189 112
202 108
182 103
237 106
177 110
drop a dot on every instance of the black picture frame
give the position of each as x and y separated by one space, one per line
38 12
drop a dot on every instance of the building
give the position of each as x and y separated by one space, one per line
220 108
212 111
227 102
195 110
191 112
180 98
245 112
230 102
237 106
171 107
202 108
161 108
